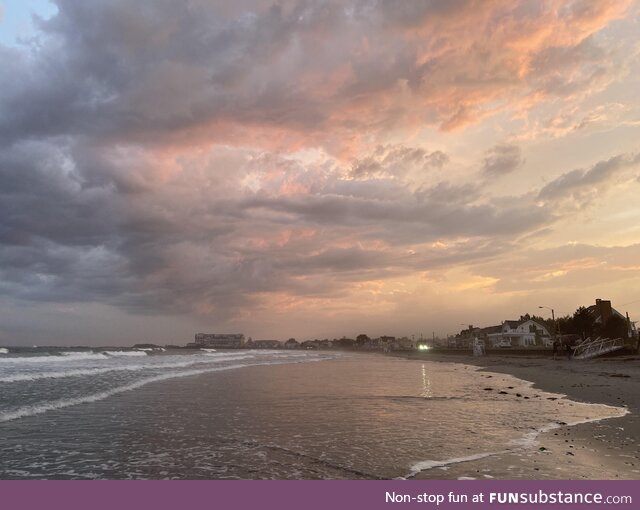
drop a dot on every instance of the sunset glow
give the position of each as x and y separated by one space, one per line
313 169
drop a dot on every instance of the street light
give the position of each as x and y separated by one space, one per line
553 318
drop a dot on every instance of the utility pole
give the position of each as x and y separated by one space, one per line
553 319
630 330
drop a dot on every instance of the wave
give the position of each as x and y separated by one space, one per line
431 464
526 442
125 353
4 350
83 372
226 354
62 403
55 358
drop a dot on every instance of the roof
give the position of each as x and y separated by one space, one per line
516 324
513 324
595 311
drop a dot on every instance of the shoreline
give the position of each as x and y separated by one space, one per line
602 449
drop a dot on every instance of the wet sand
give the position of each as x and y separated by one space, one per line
608 449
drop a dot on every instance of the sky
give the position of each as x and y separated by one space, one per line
313 169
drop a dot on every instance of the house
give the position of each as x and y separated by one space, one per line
464 339
486 335
522 333
602 311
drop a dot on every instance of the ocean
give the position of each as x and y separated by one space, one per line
260 414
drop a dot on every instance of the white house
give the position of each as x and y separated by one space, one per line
523 333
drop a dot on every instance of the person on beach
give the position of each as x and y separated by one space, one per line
556 344
568 350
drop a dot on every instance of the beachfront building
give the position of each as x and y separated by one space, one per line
489 333
522 333
220 340
403 344
464 339
602 311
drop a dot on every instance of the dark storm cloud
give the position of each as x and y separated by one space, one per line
151 69
142 161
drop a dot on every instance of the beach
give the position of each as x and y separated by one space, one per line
606 449
308 414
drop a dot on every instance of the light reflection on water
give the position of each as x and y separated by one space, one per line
426 383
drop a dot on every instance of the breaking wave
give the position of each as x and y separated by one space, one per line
67 402
63 357
84 372
125 353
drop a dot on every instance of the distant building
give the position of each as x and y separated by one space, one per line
219 340
266 344
403 344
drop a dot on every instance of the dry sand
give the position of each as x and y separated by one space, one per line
608 449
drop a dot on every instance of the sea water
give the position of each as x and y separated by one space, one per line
123 414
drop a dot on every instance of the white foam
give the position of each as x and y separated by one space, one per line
125 353
62 403
226 355
530 439
4 350
208 350
53 358
80 372
526 442
430 464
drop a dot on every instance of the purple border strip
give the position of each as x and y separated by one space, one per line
303 494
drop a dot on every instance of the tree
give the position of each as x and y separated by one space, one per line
344 342
361 340
565 325
615 327
583 322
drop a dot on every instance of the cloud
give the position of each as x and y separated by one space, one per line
581 187
192 158
570 266
162 72
397 161
502 159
